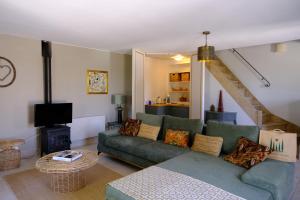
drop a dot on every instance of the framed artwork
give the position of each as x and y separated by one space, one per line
97 82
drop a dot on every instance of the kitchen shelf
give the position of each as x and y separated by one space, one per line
183 63
179 81
183 91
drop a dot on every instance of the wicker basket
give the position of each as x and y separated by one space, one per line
10 159
174 77
185 76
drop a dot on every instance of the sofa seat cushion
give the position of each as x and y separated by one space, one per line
126 144
215 171
158 151
274 176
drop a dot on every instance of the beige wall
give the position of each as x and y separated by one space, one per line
156 75
69 65
156 78
281 69
69 81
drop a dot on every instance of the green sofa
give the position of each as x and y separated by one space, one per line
145 152
269 180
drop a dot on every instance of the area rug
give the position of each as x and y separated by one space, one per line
33 185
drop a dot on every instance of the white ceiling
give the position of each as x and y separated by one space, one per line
152 25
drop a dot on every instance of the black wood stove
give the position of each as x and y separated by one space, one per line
53 138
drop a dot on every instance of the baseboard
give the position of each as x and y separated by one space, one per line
86 141
30 150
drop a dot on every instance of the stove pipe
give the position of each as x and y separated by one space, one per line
47 54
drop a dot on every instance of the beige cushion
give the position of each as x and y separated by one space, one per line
207 144
148 131
282 144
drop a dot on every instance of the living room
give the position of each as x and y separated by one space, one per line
125 66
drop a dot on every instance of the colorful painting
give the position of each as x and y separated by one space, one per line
97 82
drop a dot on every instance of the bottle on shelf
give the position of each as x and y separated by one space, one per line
168 99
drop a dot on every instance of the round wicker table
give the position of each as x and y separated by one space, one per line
67 176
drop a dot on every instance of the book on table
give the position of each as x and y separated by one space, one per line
67 156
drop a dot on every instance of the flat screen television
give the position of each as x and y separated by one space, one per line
51 114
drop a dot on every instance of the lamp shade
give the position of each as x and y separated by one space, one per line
206 53
118 99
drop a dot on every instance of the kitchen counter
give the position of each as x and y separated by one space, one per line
170 104
177 110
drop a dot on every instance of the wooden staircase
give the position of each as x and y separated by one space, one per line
256 111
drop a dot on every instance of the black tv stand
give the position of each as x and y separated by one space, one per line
55 138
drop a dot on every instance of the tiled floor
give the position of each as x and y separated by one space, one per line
116 165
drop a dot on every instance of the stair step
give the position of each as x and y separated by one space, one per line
215 62
275 119
274 125
247 94
254 101
241 90
219 67
239 85
224 70
236 83
258 107
231 77
266 117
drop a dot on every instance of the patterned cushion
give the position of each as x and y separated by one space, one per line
248 153
177 137
130 127
193 126
148 131
208 144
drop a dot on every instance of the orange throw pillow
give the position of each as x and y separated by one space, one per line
177 137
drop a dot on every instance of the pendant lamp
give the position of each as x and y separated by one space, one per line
206 53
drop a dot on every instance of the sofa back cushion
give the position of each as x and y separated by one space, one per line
153 120
193 126
231 134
